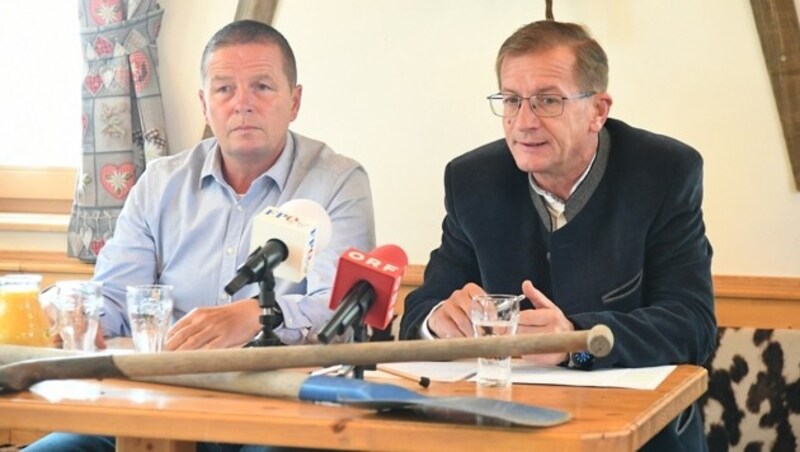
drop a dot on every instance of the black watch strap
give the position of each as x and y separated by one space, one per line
581 360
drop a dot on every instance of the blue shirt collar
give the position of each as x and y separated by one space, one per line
278 173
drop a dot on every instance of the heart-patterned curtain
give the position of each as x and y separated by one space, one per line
122 115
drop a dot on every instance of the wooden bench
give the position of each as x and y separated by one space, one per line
52 266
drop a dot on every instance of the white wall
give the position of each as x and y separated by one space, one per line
400 85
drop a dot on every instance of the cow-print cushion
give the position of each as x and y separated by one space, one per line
753 398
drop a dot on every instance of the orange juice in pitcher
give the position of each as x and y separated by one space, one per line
22 319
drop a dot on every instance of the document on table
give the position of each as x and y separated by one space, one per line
647 378
435 370
638 378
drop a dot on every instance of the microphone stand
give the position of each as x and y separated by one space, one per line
258 267
359 335
351 314
271 315
357 370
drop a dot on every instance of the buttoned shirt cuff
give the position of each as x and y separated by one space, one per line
295 327
424 331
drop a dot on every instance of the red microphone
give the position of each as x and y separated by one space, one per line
365 289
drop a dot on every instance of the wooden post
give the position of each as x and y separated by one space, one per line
260 10
779 32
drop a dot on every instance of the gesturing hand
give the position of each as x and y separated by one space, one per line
546 318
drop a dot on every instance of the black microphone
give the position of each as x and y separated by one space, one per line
258 262
298 230
365 289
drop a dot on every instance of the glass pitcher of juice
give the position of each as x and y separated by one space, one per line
22 319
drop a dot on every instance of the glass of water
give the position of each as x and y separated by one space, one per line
150 313
495 315
78 307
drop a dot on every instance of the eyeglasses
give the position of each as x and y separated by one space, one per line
542 105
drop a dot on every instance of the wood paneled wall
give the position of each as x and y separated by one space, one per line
759 302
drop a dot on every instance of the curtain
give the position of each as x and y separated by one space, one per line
122 115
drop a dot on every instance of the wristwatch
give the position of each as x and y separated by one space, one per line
581 360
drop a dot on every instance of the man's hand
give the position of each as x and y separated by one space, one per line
452 318
546 318
215 327
56 341
99 340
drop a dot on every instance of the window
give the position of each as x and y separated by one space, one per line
41 126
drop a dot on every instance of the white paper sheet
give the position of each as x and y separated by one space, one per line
435 370
645 378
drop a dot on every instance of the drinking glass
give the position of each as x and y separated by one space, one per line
495 315
78 305
150 312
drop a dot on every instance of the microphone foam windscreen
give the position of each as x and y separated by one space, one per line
383 269
303 226
312 213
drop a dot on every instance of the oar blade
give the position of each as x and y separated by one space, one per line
472 410
353 391
492 411
389 397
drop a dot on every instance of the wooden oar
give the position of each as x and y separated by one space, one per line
18 376
374 396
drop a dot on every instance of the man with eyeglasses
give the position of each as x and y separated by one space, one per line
596 222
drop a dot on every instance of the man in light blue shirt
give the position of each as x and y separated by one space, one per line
187 221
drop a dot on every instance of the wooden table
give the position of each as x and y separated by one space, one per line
155 417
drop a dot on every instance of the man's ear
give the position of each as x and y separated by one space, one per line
201 95
602 106
297 96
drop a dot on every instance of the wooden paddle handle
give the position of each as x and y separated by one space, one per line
598 341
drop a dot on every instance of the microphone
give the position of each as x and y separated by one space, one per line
365 288
299 229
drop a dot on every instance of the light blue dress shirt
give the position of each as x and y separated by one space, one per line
183 225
